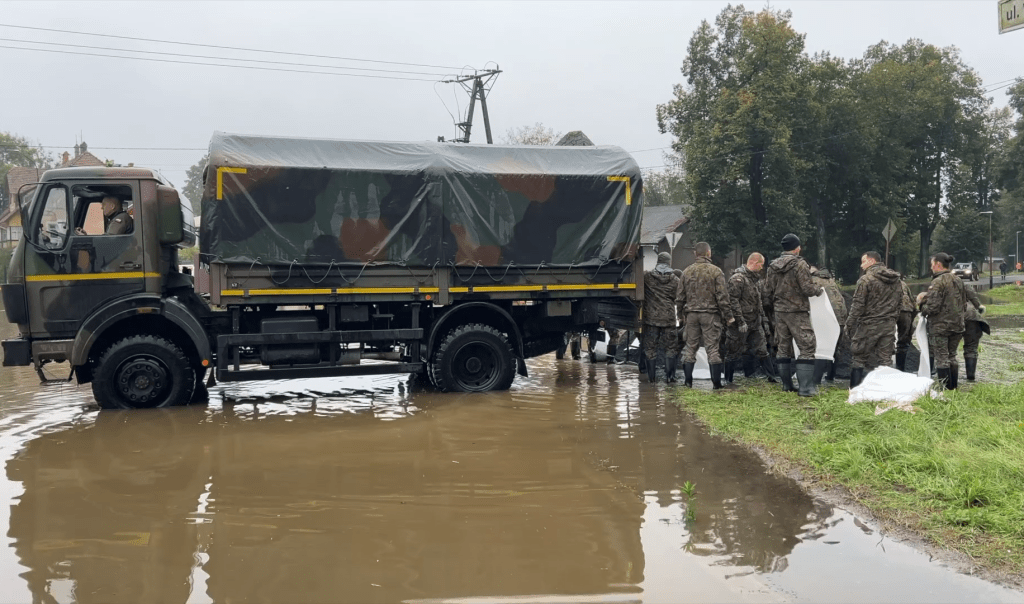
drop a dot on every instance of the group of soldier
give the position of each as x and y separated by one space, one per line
741 320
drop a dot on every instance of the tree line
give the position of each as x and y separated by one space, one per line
771 140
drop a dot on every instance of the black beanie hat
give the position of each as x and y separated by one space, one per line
790 242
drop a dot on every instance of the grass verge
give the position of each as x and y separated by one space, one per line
1012 298
953 471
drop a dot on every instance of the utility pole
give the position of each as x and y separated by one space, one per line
990 267
477 85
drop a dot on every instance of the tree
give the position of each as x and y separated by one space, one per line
664 188
537 134
193 189
735 120
16 151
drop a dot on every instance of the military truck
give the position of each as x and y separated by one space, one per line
326 258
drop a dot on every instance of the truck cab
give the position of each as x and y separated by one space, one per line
82 271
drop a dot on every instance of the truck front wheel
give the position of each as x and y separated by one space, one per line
473 358
141 372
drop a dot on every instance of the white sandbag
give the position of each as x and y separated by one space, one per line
924 369
825 326
702 369
891 386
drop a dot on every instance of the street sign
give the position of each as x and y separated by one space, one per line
890 229
1011 15
673 239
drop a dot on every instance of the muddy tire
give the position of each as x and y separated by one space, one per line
143 372
473 358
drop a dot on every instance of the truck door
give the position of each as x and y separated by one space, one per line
77 259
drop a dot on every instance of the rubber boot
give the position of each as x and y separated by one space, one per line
652 370
901 361
769 369
820 369
748 366
954 376
830 376
688 374
716 376
730 371
805 377
612 349
670 369
785 374
856 377
942 376
574 349
972 367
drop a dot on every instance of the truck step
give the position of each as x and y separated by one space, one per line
227 375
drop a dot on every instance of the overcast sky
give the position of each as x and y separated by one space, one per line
600 67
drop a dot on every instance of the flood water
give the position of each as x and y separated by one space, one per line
568 488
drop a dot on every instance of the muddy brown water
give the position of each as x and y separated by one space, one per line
568 488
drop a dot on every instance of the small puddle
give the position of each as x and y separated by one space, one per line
569 487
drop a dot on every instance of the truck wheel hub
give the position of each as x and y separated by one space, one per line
141 379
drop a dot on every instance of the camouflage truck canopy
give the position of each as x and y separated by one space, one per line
315 201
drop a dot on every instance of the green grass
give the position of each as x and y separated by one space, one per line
953 471
1011 298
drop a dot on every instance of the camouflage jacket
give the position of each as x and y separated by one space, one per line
824 279
973 306
908 304
743 288
659 296
878 297
703 289
943 304
788 284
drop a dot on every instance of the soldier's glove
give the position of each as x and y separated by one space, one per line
743 328
981 309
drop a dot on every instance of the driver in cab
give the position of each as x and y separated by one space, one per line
115 220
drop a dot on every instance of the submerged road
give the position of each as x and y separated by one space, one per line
568 488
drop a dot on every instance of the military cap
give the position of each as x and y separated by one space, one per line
790 242
664 258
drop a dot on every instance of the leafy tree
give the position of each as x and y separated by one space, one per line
1010 171
16 151
735 119
537 134
193 189
664 188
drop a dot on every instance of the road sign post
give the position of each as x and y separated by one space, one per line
888 232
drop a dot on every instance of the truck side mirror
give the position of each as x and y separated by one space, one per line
169 216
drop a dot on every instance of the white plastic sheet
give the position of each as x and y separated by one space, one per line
825 326
924 369
892 387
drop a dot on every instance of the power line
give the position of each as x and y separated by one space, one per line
92 54
278 52
10 146
178 54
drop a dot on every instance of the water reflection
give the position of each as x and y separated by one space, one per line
568 485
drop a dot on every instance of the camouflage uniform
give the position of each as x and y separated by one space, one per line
872 320
823 278
943 306
746 294
660 313
703 298
974 326
788 287
905 323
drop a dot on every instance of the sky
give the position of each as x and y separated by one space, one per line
599 67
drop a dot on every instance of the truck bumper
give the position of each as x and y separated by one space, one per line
17 353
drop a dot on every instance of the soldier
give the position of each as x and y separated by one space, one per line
660 335
974 326
744 290
115 220
788 287
943 306
824 278
703 298
873 314
904 326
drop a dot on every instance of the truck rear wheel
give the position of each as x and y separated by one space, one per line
473 358
143 372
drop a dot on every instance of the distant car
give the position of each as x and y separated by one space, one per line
967 271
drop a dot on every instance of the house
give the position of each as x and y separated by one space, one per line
667 229
17 177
